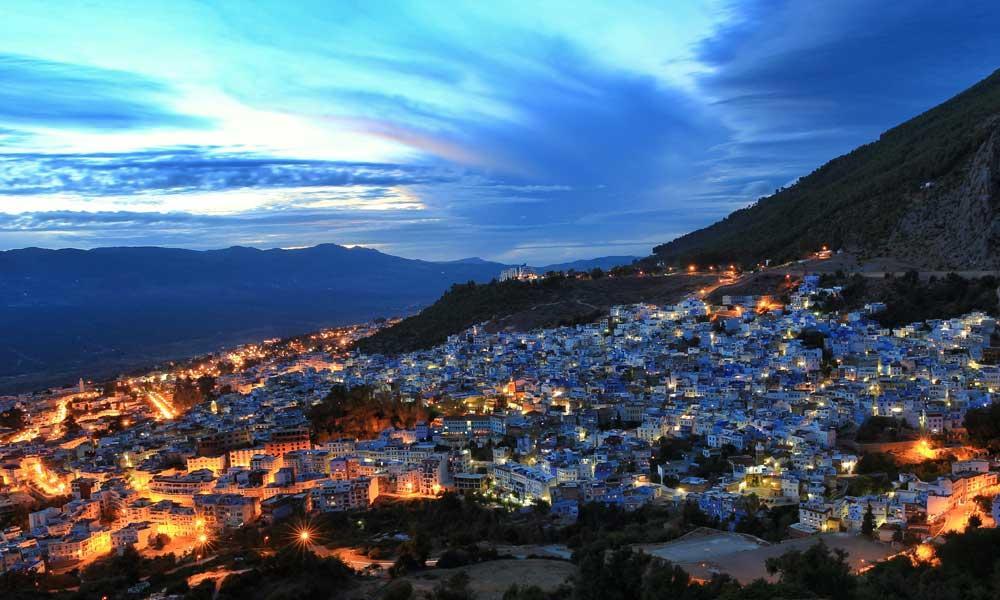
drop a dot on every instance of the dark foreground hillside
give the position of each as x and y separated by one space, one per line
521 306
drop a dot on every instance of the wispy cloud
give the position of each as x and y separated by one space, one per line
178 170
43 93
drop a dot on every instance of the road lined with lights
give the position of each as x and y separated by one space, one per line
164 409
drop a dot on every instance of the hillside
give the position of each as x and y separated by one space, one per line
925 193
910 298
521 306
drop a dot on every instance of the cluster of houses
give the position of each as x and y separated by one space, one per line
736 407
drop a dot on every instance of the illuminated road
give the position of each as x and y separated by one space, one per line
163 407
355 559
44 480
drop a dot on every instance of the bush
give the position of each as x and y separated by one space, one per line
398 590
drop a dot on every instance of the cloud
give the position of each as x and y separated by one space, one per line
283 228
799 83
609 135
41 93
180 170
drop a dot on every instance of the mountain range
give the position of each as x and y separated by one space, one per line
926 194
70 313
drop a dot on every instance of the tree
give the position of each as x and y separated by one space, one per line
985 503
362 412
868 522
206 384
664 581
532 592
70 426
974 521
159 541
186 393
398 590
816 570
455 587
13 419
877 462
881 429
983 425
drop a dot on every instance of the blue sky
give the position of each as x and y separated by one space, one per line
516 131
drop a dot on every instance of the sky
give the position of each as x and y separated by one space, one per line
515 131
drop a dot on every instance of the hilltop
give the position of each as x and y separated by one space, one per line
525 305
926 193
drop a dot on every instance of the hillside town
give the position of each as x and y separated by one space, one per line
736 406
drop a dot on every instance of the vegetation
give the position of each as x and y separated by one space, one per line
291 574
868 522
771 525
910 299
884 429
551 302
190 392
13 418
866 485
361 412
856 200
967 569
877 462
884 464
983 425
608 567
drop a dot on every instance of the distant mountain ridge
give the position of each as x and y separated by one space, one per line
603 262
70 313
926 193
586 264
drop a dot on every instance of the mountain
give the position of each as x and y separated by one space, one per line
586 264
603 262
926 193
475 260
72 313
